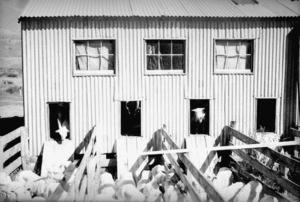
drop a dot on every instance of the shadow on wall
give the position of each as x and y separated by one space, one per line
10 124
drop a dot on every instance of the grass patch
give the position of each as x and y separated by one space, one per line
12 75
12 90
5 82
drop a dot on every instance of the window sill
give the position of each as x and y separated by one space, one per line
94 73
164 72
228 71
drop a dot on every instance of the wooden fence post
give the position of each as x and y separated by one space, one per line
24 148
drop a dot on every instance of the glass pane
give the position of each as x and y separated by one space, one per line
94 47
108 46
111 62
152 62
178 62
152 47
178 47
94 63
107 62
243 48
220 62
231 62
81 62
220 47
165 62
242 63
232 48
81 47
247 44
248 62
165 47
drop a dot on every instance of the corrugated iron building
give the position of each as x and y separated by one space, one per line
51 28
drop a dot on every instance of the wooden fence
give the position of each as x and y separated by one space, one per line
86 182
14 150
283 160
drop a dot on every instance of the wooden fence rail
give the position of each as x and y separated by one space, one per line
14 150
286 161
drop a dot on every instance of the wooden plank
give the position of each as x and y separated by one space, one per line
292 164
11 151
190 189
24 148
82 190
121 155
295 132
91 182
11 136
240 171
1 154
285 183
201 179
13 166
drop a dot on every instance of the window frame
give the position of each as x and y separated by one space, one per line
93 72
234 71
277 111
170 71
209 100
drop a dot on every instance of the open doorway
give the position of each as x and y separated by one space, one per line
199 117
266 115
131 118
59 111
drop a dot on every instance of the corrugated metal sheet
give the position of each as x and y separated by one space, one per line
159 8
48 64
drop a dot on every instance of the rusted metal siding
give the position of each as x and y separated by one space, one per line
48 57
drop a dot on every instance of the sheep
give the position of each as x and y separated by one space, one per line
126 189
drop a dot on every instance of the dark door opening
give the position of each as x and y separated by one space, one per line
199 117
59 111
131 118
266 115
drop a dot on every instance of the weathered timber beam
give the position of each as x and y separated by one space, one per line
201 179
285 183
292 164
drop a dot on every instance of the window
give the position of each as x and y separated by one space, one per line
199 117
233 56
95 56
131 118
266 115
165 55
59 111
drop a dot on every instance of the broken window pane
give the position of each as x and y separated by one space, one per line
131 118
199 116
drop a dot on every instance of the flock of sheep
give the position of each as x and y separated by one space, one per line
157 185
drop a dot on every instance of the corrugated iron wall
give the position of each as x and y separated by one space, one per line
48 75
